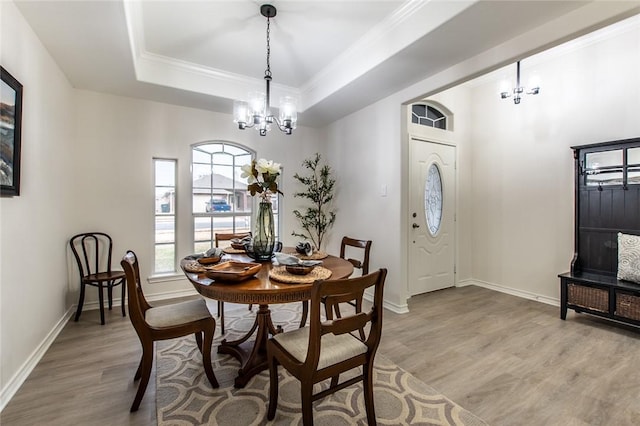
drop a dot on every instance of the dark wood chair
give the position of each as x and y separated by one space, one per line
362 264
227 237
92 251
165 322
325 349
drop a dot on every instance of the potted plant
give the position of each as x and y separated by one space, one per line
318 218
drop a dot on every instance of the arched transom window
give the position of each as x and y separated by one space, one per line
427 115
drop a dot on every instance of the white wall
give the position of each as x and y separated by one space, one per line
523 164
117 140
34 226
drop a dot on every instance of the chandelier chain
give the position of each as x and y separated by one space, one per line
267 72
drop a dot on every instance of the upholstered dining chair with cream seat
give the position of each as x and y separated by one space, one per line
165 322
348 247
325 349
227 237
92 251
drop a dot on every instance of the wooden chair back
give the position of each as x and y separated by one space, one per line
360 244
230 236
333 292
138 304
92 251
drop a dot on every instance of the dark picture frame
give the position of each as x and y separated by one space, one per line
10 133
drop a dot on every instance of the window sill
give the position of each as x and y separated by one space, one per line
164 278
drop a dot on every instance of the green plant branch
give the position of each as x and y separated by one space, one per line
319 185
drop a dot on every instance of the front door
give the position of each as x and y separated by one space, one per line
432 216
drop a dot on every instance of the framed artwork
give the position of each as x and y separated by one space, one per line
10 132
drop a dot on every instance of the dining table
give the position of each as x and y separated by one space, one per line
262 290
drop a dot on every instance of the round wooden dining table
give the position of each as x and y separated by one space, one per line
262 291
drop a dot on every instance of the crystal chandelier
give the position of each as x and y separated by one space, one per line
519 90
257 111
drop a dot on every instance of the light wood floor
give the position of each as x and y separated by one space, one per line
508 360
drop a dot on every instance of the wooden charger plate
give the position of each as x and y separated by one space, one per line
233 271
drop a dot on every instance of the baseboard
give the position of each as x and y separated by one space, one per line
512 291
395 308
27 367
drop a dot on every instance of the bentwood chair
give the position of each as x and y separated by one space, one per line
92 251
227 237
325 349
165 322
348 246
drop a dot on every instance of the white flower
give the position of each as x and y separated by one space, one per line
267 166
247 173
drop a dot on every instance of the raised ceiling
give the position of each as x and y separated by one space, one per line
335 57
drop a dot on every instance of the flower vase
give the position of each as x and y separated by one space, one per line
264 237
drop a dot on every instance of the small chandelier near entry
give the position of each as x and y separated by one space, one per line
518 90
257 112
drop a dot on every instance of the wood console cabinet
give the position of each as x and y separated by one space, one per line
607 201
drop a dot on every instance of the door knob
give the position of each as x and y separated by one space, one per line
415 225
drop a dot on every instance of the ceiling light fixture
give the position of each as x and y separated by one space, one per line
518 90
257 112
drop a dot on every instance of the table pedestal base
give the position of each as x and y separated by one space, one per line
251 354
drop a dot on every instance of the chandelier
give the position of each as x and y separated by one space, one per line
257 111
519 90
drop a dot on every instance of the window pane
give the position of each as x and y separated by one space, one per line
222 159
604 177
200 157
243 224
202 229
633 156
164 258
633 177
165 229
201 175
165 200
433 199
596 160
165 173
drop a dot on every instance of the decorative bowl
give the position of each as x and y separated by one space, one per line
299 269
209 260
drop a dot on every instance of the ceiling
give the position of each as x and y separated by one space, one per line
334 57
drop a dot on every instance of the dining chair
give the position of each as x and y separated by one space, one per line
326 349
348 246
165 322
227 237
92 251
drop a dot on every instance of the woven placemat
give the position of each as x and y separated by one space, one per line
316 255
231 250
194 266
279 273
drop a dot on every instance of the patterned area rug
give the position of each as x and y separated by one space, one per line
185 397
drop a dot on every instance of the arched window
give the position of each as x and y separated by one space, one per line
427 115
221 203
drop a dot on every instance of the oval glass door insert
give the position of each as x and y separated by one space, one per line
433 199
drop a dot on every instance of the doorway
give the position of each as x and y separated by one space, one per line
431 239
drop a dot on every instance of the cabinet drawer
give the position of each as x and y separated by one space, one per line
592 298
628 306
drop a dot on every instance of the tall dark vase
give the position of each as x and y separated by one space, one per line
264 237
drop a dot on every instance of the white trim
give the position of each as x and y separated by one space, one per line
393 307
30 363
512 291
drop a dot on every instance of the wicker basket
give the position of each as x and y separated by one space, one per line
592 298
628 306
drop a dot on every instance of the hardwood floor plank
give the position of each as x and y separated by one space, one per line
508 360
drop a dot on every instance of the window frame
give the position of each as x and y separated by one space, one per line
172 212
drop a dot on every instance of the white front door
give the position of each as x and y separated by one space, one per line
432 212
